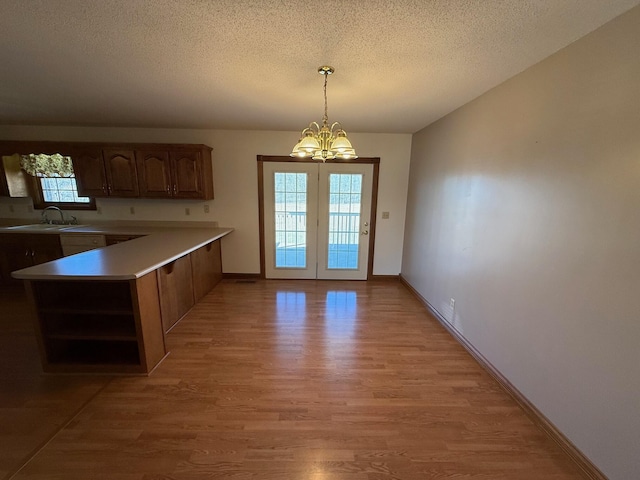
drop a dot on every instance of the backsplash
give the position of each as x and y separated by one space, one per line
119 209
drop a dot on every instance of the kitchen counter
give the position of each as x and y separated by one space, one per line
124 261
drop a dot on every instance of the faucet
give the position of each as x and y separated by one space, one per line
45 219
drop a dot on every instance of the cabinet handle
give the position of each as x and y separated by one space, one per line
169 189
175 189
26 252
104 188
33 253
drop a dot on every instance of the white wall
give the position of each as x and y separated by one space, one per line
524 206
236 185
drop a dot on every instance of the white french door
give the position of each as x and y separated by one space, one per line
316 220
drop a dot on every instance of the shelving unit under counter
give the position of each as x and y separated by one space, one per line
103 310
98 326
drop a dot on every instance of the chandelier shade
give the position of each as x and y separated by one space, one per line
326 142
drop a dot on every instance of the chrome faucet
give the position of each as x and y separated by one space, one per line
45 219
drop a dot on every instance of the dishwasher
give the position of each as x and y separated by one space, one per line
73 243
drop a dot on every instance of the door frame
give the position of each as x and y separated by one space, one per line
375 161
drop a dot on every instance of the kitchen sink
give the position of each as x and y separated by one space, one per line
39 227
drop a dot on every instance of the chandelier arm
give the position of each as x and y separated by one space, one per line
335 125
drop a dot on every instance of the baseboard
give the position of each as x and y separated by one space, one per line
257 276
583 463
383 277
241 276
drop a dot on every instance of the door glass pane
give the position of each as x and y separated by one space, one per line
291 219
345 192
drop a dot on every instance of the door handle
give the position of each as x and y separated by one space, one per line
365 232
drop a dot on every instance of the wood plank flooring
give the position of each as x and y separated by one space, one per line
293 380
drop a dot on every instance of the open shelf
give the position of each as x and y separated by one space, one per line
66 295
93 352
89 325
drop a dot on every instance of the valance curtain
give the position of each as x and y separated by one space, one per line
43 165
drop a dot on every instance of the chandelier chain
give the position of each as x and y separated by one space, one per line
325 119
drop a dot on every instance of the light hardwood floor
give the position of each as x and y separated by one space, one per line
277 380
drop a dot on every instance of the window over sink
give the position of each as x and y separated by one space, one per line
53 181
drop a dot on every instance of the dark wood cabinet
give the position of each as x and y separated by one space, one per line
91 177
98 326
122 177
4 187
175 173
113 239
154 173
148 170
187 172
175 283
105 173
206 265
21 250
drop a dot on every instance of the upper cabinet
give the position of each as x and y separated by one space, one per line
122 177
91 178
175 173
143 170
4 188
105 173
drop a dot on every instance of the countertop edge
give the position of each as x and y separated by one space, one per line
46 271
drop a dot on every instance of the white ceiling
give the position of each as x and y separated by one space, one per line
251 64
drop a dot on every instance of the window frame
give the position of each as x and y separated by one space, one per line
35 188
32 184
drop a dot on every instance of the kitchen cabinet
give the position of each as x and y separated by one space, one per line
21 250
91 177
4 186
175 284
113 239
154 170
206 265
105 173
148 170
73 243
98 326
175 173
122 177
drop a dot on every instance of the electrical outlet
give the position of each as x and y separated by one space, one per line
452 303
206 209
187 211
132 210
385 215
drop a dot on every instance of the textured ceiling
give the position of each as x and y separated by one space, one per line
251 64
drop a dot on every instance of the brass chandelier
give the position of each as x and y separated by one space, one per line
324 142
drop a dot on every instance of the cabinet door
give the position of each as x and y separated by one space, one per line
91 178
4 187
176 291
154 173
15 254
45 248
186 168
114 239
206 265
122 178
